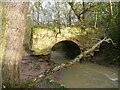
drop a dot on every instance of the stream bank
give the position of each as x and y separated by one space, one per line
98 75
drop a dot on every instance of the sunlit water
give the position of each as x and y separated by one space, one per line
86 75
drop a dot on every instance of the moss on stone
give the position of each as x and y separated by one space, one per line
44 38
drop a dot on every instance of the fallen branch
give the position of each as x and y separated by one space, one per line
50 71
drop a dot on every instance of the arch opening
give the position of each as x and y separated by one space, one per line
65 49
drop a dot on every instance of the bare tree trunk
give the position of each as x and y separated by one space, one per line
70 19
83 16
80 13
58 12
33 14
12 45
38 12
110 5
96 19
1 36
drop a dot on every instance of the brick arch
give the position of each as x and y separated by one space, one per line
67 39
71 48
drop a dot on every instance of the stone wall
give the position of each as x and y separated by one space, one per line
44 38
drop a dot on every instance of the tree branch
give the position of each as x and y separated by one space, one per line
32 7
75 11
52 70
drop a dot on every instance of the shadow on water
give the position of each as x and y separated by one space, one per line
65 50
81 75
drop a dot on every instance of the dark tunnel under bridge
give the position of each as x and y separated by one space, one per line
65 49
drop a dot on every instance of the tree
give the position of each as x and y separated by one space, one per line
110 5
0 45
118 28
80 10
38 11
11 47
58 16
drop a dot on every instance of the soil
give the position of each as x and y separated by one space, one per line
31 67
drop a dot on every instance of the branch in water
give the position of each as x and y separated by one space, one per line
52 70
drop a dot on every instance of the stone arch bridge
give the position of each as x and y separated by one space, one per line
43 39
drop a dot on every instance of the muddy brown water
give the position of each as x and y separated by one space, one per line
85 75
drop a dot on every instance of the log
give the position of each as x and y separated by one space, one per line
52 70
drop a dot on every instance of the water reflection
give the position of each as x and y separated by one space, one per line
83 75
88 75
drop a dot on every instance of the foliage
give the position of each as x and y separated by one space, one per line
110 52
113 32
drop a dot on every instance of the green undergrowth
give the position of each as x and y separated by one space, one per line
109 53
46 83
112 52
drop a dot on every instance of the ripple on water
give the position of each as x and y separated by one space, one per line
88 75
